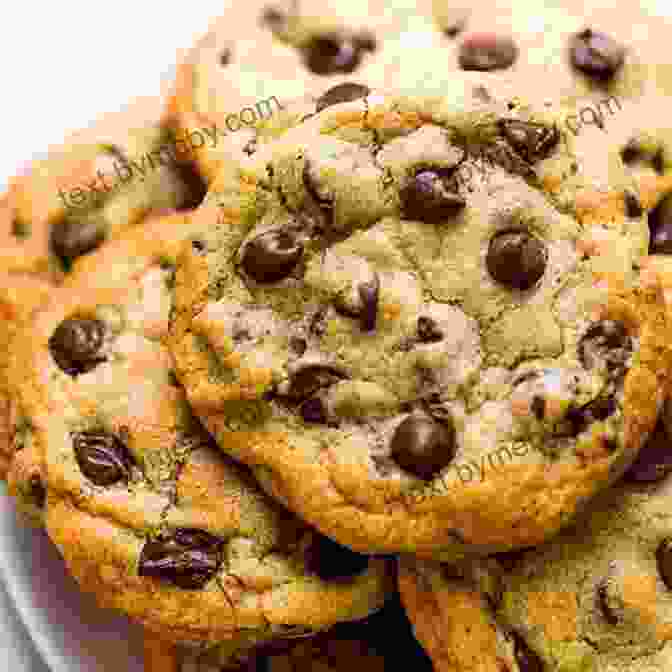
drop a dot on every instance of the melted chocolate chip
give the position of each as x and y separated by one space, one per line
487 52
188 559
271 256
331 561
368 295
532 141
313 411
198 246
309 379
195 187
654 460
602 598
428 330
664 561
422 446
341 93
430 196
334 54
527 660
298 345
596 54
37 492
660 226
69 240
516 259
102 457
633 206
76 343
605 342
538 407
224 57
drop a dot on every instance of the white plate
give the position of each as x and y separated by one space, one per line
69 630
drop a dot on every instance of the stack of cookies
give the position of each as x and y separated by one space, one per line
365 352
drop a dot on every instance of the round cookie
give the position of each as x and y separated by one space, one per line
102 180
597 598
149 517
260 54
397 315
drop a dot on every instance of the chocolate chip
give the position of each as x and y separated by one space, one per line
654 461
430 196
538 407
527 660
605 342
188 559
198 246
313 411
71 239
634 151
36 491
602 598
333 54
75 345
368 295
195 186
310 378
225 57
341 93
660 227
102 457
516 259
272 17
271 256
487 52
664 561
428 330
633 207
596 54
298 345
331 561
422 446
533 141
318 322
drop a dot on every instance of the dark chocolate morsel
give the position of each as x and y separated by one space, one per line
430 196
334 54
654 460
71 239
271 256
533 141
422 446
660 226
596 54
331 561
527 660
486 52
188 558
368 295
602 596
664 561
516 259
102 457
76 343
428 330
37 491
313 411
633 206
341 93
310 378
224 56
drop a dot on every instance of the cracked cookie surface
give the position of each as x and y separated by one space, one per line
149 517
597 598
396 315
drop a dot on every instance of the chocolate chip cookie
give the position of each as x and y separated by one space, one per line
262 53
397 315
147 514
597 598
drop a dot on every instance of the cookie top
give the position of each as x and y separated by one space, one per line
398 315
103 179
597 598
147 514
262 53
